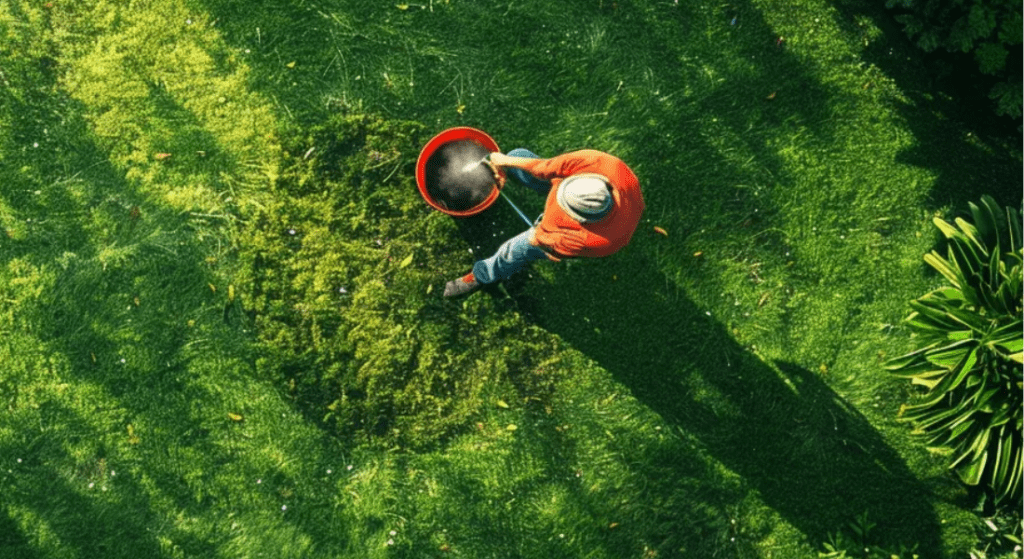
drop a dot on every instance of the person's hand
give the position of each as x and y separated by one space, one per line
499 178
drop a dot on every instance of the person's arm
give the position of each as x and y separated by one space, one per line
557 167
499 159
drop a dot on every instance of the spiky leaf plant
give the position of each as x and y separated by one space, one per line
969 351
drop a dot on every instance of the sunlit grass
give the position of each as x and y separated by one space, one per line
709 392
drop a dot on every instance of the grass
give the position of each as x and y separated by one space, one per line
238 349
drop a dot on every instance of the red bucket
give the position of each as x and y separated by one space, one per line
445 138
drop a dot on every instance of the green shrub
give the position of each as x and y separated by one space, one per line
999 536
990 29
858 541
969 351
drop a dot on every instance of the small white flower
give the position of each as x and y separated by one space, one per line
188 21
259 481
284 507
19 460
329 471
35 144
349 467
392 533
91 485
391 542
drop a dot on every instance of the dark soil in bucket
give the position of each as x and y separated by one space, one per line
452 179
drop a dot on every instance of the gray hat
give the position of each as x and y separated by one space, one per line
585 197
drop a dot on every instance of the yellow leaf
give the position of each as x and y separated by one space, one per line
212 287
460 109
698 254
137 302
511 427
406 261
502 404
660 231
291 64
132 439
231 293
235 417
402 7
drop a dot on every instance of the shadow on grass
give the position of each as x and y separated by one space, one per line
569 490
143 343
86 511
12 542
972 150
805 452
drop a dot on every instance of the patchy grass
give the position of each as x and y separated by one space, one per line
220 290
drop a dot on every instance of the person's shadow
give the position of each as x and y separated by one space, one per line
808 454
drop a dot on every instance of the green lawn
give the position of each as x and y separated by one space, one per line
220 313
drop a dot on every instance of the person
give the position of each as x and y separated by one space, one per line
593 207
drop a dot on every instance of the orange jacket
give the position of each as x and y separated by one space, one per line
560 233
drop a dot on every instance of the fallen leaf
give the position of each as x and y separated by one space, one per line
613 524
661 231
502 404
132 439
161 156
137 302
235 417
406 261
231 293
402 7
698 254
291 64
213 288
772 96
763 299
511 427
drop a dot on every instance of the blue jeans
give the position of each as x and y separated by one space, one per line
517 252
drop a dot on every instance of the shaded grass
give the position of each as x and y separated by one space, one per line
735 409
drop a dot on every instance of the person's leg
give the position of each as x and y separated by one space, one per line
540 186
511 257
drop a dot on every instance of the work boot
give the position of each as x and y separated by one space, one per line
461 286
